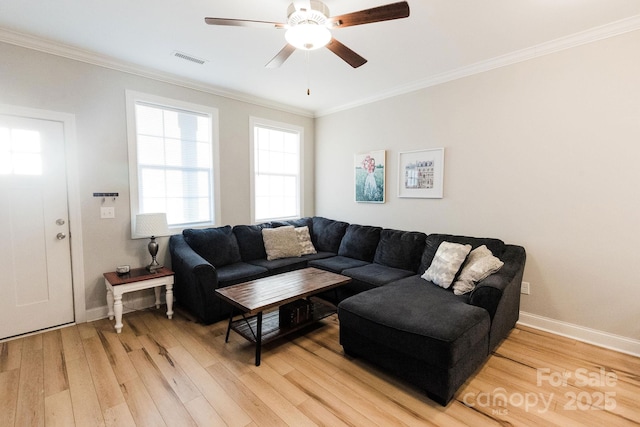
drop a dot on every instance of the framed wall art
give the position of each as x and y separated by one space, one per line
421 173
369 177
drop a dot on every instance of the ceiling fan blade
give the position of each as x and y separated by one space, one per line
243 23
367 16
349 56
281 56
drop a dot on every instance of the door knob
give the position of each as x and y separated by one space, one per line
60 236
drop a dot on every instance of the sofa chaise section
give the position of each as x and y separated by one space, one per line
419 332
428 335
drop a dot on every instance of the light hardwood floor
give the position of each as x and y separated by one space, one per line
179 373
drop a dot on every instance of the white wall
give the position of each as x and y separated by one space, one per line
544 154
96 96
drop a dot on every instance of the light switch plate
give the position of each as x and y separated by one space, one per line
107 212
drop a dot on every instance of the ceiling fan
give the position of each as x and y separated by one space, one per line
309 26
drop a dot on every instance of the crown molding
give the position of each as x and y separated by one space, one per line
77 54
589 36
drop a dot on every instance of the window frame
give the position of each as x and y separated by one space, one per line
133 97
255 122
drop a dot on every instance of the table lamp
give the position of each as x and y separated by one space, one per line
150 225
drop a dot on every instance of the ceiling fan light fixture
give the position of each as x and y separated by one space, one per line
309 26
308 36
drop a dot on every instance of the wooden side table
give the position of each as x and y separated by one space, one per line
135 280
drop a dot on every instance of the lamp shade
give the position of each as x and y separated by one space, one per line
308 36
151 224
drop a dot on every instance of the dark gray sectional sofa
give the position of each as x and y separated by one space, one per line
388 314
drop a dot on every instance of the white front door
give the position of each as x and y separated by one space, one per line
36 289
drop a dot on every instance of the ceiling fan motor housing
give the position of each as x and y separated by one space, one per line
318 14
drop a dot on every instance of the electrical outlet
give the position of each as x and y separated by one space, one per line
525 288
107 212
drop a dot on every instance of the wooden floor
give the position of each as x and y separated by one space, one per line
179 373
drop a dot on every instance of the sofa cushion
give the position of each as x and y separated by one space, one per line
433 241
250 241
300 222
326 234
318 255
446 263
479 265
280 265
400 249
377 274
360 242
281 242
239 272
304 239
337 264
427 322
217 245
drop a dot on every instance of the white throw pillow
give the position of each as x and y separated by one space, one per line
479 265
306 246
446 263
281 242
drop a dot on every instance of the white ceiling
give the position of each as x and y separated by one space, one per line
440 40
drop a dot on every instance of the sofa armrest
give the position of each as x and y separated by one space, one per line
499 293
488 292
195 279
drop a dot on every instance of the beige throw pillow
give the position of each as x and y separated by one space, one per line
479 265
306 246
281 242
446 263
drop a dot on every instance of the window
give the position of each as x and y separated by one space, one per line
276 184
172 160
20 152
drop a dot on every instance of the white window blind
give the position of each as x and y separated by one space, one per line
174 163
276 164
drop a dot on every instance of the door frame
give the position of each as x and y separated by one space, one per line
68 121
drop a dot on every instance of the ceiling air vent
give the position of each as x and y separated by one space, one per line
187 57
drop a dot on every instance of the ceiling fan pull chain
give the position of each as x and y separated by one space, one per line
308 74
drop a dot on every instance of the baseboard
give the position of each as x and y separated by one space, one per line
130 303
580 333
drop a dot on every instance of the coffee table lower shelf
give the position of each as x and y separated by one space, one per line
270 329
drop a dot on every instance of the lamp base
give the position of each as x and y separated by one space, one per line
154 268
153 251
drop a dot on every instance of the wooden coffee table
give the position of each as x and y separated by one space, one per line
261 295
